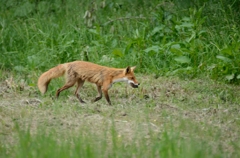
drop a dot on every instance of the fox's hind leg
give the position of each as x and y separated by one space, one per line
80 83
99 96
69 84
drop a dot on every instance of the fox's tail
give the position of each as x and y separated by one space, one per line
46 77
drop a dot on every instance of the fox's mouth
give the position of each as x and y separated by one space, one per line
134 85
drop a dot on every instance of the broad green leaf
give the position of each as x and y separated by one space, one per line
175 51
69 42
128 47
186 19
201 32
182 59
176 46
118 53
137 35
226 51
189 68
187 25
153 48
96 43
114 43
223 58
94 31
20 68
238 76
229 77
202 20
157 29
24 9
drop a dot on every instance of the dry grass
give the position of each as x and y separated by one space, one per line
200 109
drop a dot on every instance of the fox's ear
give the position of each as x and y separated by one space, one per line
128 70
133 68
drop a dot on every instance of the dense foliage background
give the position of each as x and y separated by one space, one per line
164 37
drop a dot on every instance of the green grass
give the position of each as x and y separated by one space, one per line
165 117
187 58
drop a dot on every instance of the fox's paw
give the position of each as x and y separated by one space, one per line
96 99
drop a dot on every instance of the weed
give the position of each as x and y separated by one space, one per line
163 37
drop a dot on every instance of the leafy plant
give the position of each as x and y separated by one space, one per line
161 37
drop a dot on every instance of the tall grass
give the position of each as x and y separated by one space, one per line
186 38
89 144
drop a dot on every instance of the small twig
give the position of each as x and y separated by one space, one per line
123 18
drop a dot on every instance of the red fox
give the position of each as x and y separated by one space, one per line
79 71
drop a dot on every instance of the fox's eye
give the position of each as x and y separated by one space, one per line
132 78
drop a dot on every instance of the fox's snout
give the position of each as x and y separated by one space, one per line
135 85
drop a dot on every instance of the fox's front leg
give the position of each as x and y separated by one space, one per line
107 96
105 88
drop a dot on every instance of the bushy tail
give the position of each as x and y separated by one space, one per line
46 77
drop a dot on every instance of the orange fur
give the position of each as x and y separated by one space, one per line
81 71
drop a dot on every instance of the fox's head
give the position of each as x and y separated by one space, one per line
127 76
130 77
